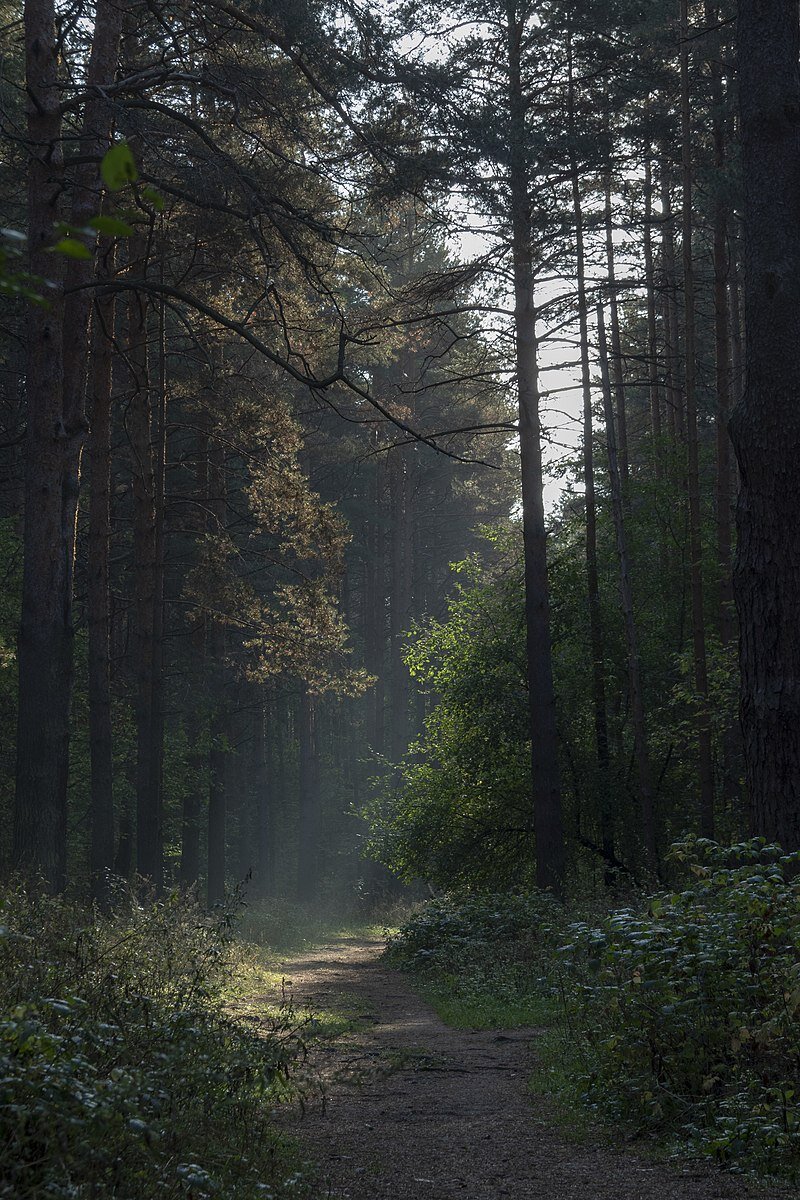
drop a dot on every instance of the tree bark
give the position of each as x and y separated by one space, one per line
399 601
189 870
156 749
375 630
735 297
220 719
600 714
617 373
704 750
45 650
140 432
308 838
101 854
652 330
87 193
722 343
545 772
217 807
263 783
672 383
766 422
641 749
198 715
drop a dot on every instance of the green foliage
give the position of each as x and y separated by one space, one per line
117 170
118 167
121 1073
686 1015
459 812
482 960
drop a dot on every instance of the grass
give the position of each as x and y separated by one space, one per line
274 935
463 1005
281 927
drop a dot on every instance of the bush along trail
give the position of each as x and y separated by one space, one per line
649 1053
499 1046
124 1071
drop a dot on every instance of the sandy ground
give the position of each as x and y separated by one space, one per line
415 1109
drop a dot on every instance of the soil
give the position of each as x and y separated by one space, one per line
415 1109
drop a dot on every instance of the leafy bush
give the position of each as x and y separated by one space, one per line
482 960
445 931
686 1017
121 1074
455 812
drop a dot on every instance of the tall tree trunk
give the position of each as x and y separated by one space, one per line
641 749
220 718
45 652
282 880
101 855
548 820
399 601
241 795
722 343
375 630
592 579
217 806
735 296
766 423
86 203
95 135
148 809
198 702
189 870
263 783
705 761
617 373
652 330
156 750
308 840
672 381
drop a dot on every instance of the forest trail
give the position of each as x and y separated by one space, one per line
415 1109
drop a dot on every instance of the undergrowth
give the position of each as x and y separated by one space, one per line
123 1071
676 1017
685 1014
481 960
283 926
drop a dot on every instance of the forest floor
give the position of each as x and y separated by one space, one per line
415 1109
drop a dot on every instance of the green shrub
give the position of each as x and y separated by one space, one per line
687 1016
121 1073
444 932
482 960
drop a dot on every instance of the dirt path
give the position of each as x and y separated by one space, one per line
416 1109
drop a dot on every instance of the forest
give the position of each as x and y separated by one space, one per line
400 539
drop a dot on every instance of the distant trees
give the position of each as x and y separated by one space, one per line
623 107
139 351
233 306
266 405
